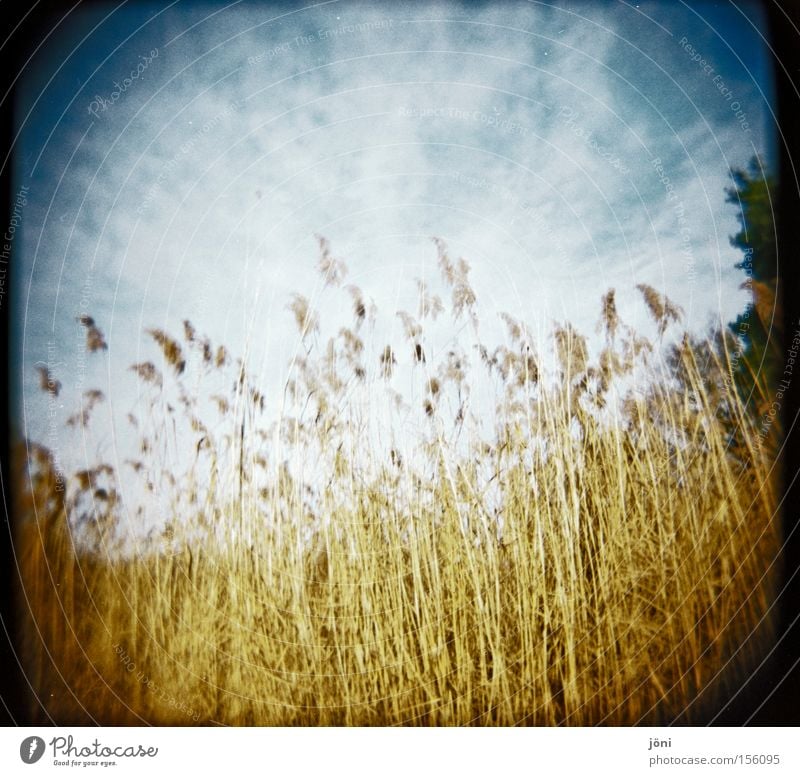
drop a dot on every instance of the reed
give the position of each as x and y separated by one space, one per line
501 542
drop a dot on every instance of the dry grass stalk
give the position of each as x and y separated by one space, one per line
559 554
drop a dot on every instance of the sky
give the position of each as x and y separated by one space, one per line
562 149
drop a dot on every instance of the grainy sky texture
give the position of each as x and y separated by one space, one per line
562 149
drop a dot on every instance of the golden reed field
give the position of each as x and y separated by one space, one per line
422 534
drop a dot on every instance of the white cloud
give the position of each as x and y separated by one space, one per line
197 195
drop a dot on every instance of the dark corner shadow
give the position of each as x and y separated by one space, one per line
24 27
769 695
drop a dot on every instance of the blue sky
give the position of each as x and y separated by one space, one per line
562 149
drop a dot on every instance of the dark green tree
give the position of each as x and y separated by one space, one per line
759 329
